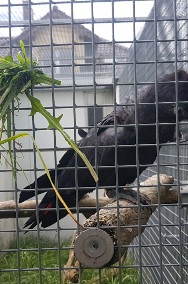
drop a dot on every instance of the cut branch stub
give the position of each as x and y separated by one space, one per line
94 248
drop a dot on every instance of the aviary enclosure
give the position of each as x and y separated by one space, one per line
127 115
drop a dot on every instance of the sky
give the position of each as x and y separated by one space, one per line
101 10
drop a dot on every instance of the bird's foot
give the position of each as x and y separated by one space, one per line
132 196
128 194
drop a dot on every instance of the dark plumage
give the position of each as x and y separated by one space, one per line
126 150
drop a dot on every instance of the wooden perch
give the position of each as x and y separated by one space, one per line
8 208
131 220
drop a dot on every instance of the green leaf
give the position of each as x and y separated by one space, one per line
38 107
14 137
20 58
54 124
56 120
53 186
44 79
4 64
5 94
9 58
28 61
23 49
26 87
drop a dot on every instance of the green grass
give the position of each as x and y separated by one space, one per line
30 260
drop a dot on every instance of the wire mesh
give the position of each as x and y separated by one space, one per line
168 258
102 51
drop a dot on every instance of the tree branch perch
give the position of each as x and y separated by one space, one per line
87 205
9 209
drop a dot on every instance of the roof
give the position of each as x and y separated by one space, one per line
3 40
105 72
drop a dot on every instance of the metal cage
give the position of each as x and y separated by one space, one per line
101 51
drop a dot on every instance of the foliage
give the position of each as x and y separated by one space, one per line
49 258
19 78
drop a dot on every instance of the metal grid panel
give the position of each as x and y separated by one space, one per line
91 68
164 251
158 33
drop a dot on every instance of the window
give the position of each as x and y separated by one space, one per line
95 114
63 57
88 55
45 59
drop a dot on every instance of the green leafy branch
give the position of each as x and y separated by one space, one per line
16 78
19 77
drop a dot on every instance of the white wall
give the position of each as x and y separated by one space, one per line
6 188
45 138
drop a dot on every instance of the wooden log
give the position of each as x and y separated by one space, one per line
130 219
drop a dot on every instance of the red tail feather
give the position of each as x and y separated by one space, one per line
46 211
